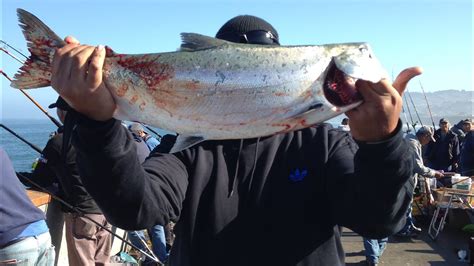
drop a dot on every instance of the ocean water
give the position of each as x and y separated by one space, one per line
36 132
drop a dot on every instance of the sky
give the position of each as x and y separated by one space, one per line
433 34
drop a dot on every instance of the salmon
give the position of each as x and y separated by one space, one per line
214 89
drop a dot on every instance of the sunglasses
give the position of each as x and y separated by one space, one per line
253 37
258 37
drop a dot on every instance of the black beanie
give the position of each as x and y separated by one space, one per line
233 29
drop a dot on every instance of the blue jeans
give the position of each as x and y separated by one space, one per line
158 241
31 251
409 221
374 248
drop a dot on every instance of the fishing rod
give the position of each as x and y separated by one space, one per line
403 111
13 48
153 131
82 214
54 120
413 124
36 148
427 104
414 107
11 55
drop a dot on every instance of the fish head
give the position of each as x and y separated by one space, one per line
351 63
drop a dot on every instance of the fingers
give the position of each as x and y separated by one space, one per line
72 66
404 77
57 69
94 77
79 62
71 40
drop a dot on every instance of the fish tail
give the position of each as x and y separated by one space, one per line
42 43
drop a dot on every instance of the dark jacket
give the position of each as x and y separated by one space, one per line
467 155
65 170
16 209
457 129
275 200
443 153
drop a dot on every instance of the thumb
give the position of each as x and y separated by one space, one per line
404 77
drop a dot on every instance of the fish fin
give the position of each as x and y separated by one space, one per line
42 43
184 142
194 42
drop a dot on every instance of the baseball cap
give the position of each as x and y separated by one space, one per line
60 104
443 120
426 130
467 121
136 127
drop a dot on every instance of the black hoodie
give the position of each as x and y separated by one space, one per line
275 200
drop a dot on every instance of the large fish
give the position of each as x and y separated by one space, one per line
214 89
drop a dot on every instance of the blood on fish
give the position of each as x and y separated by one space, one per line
122 90
152 72
280 94
134 99
287 127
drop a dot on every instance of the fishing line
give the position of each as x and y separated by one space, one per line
12 56
81 214
54 120
414 107
403 111
413 124
13 48
428 105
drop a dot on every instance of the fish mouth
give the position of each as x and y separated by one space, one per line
339 88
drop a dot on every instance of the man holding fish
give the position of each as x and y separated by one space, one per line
234 197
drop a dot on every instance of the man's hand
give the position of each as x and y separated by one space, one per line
377 117
77 77
438 175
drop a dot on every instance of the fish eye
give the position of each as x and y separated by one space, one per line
365 50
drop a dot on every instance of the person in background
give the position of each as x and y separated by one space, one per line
461 129
156 232
444 153
87 243
24 235
467 155
138 130
424 135
345 124
233 198
374 249
46 178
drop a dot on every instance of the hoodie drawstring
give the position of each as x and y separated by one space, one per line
234 180
254 164
236 172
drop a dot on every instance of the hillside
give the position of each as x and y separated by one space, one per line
454 105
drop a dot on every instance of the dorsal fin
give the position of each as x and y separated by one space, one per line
194 42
